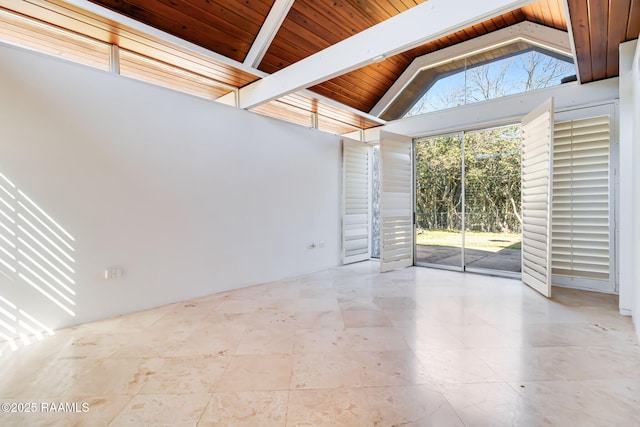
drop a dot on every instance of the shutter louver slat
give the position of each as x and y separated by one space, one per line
581 240
355 215
396 202
537 149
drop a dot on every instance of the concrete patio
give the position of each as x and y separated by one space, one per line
502 260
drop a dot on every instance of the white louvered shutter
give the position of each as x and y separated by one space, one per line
537 181
581 226
355 204
396 201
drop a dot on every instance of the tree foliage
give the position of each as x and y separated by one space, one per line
491 181
528 71
491 157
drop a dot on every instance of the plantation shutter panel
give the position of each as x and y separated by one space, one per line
537 181
396 202
355 205
581 198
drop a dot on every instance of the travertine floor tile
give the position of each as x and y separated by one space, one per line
182 375
84 377
480 336
216 339
391 368
376 339
334 407
267 341
246 408
318 304
337 369
170 410
457 366
256 372
428 336
584 403
564 363
491 404
319 320
345 346
419 405
321 340
365 318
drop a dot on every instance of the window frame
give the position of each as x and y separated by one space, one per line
535 34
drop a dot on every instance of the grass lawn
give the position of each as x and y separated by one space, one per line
472 239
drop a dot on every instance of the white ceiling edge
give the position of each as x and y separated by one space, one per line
267 32
536 34
418 25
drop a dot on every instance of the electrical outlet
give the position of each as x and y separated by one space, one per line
113 273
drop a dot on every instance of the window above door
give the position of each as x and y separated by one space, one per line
523 58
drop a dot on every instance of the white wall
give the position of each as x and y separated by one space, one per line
633 193
627 214
630 180
187 196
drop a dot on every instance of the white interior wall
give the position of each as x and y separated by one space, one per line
187 196
628 251
630 61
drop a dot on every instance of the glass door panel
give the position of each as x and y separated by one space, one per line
493 227
439 192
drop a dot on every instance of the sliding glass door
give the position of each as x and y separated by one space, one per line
468 214
439 190
493 219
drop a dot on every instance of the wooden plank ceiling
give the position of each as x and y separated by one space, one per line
223 26
69 17
229 27
362 88
599 26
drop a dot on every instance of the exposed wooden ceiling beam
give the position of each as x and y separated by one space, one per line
418 25
565 5
268 31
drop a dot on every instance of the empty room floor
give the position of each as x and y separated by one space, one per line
343 347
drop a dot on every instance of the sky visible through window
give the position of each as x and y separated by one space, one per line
526 71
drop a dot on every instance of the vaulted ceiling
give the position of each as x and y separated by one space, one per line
264 37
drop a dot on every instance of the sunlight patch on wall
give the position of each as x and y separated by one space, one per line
35 252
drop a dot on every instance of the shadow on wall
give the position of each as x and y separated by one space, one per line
36 263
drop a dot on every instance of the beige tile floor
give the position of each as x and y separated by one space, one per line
343 347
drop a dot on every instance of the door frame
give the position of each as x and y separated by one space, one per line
415 205
592 110
462 267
